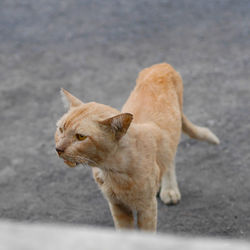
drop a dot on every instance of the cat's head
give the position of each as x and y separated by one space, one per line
88 132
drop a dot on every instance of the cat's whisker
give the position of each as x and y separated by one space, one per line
86 160
80 159
84 165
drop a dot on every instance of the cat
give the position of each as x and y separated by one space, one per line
132 152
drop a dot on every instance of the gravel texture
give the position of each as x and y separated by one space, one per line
95 49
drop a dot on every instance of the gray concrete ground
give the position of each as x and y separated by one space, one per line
95 49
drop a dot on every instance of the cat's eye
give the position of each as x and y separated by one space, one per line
61 130
80 137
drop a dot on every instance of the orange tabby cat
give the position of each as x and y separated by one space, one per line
132 153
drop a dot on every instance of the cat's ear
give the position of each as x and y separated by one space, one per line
69 100
118 124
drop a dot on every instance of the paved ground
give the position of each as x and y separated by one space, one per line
95 49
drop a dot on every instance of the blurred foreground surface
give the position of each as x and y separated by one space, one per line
16 236
95 49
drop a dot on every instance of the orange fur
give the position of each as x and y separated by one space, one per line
132 152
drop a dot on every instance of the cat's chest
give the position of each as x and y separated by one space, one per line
118 195
119 188
122 188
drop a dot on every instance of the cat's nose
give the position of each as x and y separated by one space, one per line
59 151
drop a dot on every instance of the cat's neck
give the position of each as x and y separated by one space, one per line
119 161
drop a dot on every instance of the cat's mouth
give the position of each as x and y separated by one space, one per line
70 163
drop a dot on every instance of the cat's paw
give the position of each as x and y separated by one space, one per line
170 196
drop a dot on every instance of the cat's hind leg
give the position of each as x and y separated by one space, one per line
170 193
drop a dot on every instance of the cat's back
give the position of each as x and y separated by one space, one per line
162 73
157 96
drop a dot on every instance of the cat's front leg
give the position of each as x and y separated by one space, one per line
122 216
147 216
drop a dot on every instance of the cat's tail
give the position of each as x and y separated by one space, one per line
199 133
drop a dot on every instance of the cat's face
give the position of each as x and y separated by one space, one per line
88 133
